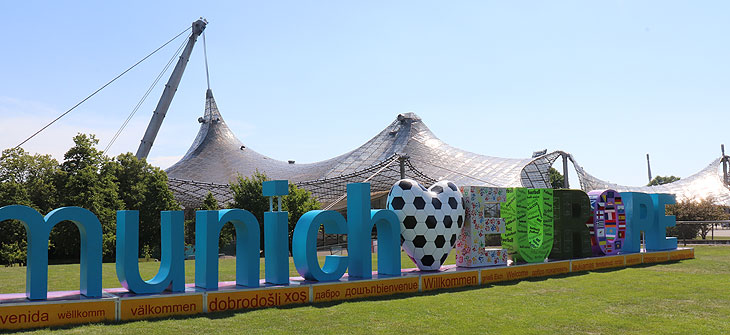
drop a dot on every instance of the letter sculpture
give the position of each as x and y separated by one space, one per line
528 215
208 226
304 246
276 234
608 222
430 220
481 207
171 275
38 229
656 237
571 209
360 221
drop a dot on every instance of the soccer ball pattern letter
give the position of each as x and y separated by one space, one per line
431 220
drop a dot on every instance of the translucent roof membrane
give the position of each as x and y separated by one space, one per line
217 157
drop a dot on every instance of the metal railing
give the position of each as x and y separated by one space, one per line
703 230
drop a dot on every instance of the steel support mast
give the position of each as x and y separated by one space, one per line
170 88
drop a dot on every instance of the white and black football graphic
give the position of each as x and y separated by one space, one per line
430 220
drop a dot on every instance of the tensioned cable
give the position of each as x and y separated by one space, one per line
100 88
144 97
391 162
332 204
205 54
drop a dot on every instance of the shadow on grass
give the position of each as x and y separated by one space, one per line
219 315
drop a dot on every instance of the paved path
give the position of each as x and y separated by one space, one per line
720 232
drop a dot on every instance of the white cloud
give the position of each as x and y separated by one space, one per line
12 106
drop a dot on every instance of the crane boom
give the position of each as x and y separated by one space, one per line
170 88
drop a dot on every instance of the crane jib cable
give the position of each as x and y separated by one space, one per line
101 88
144 97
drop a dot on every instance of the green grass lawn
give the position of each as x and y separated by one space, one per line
686 297
66 276
709 237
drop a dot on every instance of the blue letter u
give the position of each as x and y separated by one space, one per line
172 267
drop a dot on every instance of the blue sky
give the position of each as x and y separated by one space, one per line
606 81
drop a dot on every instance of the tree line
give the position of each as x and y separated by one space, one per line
87 178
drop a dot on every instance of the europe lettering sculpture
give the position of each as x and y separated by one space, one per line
539 223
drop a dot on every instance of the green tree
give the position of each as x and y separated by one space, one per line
247 194
12 239
556 178
691 210
143 187
28 180
86 180
659 180
298 202
228 232
210 203
24 180
14 253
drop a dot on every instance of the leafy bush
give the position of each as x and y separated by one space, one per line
692 210
14 253
247 194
